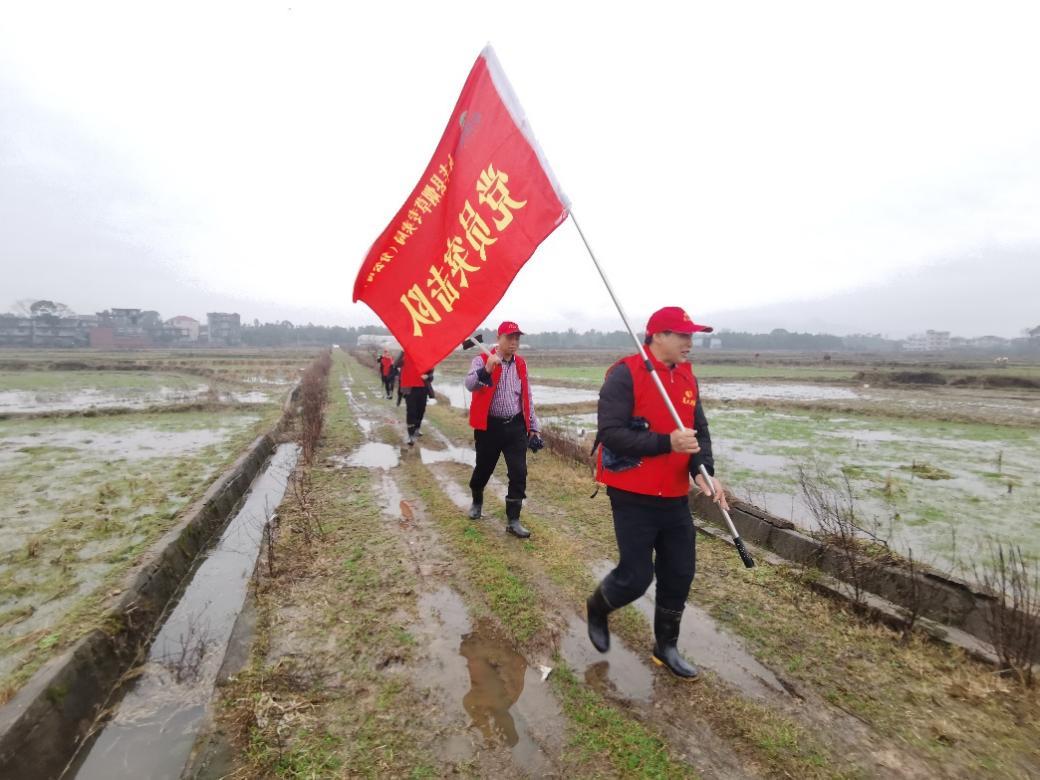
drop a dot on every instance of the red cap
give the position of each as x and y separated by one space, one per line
509 327
674 319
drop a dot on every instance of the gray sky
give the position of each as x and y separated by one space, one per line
801 165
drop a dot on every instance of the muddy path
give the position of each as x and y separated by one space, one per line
624 676
411 641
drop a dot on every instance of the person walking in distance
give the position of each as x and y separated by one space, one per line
646 464
504 423
386 372
416 387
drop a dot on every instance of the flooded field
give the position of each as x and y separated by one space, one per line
84 495
545 395
982 444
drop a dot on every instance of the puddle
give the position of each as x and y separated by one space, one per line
459 495
450 454
375 455
620 669
153 727
702 643
485 687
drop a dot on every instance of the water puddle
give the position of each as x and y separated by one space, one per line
375 455
702 643
780 391
450 454
620 670
153 728
485 686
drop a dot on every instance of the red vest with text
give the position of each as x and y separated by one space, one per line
385 363
410 376
665 475
481 405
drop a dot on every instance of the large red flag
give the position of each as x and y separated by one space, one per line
485 202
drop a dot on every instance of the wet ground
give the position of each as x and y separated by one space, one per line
81 498
152 728
992 491
452 387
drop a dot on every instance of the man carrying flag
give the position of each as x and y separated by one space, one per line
503 421
646 463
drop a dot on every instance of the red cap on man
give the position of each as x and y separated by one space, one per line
674 319
509 327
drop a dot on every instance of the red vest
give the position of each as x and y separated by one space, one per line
656 475
482 396
385 363
410 376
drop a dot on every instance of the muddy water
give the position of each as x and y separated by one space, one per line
620 671
485 685
705 644
21 401
780 391
458 396
153 727
375 455
130 444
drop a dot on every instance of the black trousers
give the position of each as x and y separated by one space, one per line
415 407
388 385
652 540
507 438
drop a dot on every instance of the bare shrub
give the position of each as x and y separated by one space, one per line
860 546
314 396
1014 617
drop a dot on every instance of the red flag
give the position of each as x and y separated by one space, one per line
485 202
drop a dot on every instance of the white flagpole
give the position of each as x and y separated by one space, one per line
745 556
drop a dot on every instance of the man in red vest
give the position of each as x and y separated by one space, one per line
503 421
417 388
386 372
646 464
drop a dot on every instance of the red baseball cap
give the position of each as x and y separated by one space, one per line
509 327
674 319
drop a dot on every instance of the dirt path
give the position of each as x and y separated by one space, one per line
427 638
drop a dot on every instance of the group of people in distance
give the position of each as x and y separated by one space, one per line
643 458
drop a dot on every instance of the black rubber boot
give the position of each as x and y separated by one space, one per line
476 507
666 632
513 506
598 608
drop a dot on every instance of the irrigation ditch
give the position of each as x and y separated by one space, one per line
167 627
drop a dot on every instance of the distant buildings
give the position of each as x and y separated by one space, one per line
187 328
930 341
116 329
224 329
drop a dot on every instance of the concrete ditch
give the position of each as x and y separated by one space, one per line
43 725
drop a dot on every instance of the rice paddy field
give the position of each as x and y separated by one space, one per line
99 454
942 457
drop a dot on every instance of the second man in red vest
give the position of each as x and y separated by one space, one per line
503 421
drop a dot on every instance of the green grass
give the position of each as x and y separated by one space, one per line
602 730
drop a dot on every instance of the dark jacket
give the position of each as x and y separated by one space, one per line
615 413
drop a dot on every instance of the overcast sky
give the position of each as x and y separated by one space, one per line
816 166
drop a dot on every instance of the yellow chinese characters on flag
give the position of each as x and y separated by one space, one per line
485 202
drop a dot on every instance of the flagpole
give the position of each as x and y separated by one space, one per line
741 549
